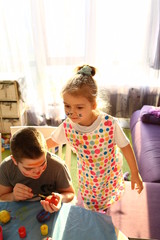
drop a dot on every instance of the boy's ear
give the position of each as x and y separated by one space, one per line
13 159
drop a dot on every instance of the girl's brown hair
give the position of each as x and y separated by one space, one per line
82 83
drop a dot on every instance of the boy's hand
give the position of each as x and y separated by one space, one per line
49 206
136 182
22 192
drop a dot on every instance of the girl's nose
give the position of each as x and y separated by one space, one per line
71 112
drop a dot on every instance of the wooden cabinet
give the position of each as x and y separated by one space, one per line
12 108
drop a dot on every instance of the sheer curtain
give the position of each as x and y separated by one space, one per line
44 40
126 46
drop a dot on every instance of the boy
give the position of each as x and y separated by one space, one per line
31 170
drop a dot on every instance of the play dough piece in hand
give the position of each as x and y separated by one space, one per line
52 199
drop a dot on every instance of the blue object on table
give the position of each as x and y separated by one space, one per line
77 223
43 216
70 223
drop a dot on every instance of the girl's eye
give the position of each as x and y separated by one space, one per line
80 107
67 106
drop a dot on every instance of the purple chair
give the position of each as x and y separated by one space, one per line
146 143
138 215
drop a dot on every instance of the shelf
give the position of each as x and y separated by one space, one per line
12 108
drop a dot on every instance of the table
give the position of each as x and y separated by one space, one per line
70 223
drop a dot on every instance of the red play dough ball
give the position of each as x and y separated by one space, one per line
52 199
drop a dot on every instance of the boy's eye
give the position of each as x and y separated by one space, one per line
28 169
80 107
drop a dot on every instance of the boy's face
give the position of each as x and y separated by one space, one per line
32 168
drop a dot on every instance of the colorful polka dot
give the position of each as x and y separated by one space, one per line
100 175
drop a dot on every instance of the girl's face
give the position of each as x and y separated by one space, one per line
79 109
32 168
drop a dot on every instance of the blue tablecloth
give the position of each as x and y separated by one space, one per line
70 223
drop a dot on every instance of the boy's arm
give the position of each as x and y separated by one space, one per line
18 193
67 194
131 160
6 193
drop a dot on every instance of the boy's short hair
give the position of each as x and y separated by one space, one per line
27 142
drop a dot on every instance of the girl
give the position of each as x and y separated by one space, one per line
94 135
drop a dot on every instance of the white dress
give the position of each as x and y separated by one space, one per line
99 163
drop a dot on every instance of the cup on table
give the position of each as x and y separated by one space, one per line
1 233
22 232
44 229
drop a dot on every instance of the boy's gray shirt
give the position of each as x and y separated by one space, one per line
56 176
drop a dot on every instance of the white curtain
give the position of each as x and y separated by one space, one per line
44 40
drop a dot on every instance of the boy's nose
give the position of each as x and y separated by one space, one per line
37 170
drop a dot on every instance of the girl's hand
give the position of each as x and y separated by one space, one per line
52 207
136 182
21 192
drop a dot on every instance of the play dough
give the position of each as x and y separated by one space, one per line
4 216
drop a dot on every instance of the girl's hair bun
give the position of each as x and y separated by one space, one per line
86 70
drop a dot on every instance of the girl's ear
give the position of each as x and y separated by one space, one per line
94 105
13 159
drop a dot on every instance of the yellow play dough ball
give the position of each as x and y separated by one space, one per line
4 216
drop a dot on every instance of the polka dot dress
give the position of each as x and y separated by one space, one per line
99 168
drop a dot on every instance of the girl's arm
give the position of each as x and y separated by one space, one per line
57 136
51 143
136 180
